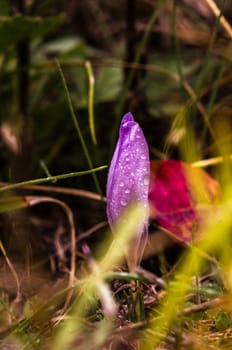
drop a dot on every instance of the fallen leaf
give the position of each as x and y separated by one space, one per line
180 197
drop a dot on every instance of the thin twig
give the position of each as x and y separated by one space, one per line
63 190
14 273
93 229
204 306
34 200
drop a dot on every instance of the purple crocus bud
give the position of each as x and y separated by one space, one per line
128 181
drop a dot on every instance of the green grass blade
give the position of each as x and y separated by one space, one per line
78 129
91 79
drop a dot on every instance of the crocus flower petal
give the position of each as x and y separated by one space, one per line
128 179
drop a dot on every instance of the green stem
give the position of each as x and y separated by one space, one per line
51 178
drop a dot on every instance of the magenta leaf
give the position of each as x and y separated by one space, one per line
128 181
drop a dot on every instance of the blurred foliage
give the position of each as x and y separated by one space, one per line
15 28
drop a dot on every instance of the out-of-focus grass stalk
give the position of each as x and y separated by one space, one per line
211 161
91 79
123 232
217 12
158 8
195 95
215 88
177 43
74 324
206 68
186 140
216 239
51 178
213 97
202 76
78 129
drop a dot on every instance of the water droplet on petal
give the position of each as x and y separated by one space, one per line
143 156
127 191
146 181
121 184
123 202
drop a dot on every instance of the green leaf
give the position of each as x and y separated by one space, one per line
14 28
222 321
108 84
64 45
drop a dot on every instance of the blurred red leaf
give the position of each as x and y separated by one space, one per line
180 196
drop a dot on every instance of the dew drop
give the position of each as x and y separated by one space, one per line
143 156
146 181
127 191
123 202
121 184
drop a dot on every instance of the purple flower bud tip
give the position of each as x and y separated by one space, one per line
128 180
